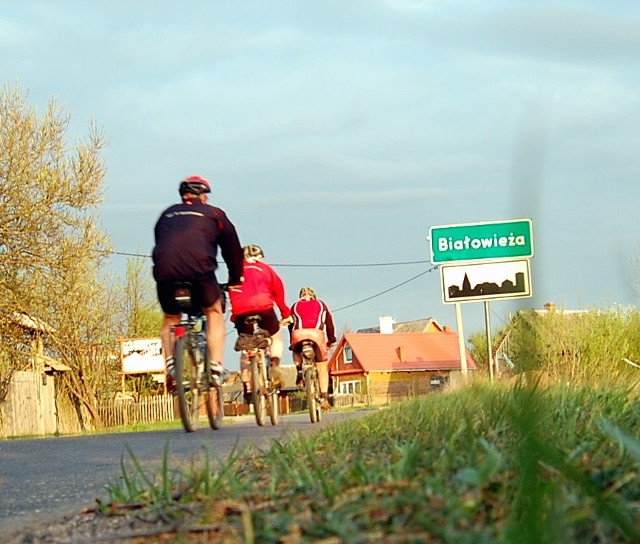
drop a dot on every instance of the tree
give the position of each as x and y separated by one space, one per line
478 350
51 248
143 315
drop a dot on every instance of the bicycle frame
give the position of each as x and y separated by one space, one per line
193 377
310 348
263 398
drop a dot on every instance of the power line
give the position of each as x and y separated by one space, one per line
361 265
285 265
385 291
400 263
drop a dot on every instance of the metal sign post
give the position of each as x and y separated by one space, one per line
488 330
482 261
461 346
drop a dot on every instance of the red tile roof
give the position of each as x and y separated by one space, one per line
404 351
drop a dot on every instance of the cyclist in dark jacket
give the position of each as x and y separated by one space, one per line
187 238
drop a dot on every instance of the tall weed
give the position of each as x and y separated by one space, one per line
578 348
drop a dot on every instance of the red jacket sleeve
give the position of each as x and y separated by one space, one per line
277 291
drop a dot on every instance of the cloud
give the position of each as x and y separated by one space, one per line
550 33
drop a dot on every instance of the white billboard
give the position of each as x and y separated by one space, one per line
141 355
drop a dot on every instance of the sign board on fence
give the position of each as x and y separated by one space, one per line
140 355
497 240
486 281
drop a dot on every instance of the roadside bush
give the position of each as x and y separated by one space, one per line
578 347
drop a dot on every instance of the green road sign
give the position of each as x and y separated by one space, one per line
481 241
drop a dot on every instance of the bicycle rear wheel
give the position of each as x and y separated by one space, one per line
257 394
273 408
215 406
311 384
187 385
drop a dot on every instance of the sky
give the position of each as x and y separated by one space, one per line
336 134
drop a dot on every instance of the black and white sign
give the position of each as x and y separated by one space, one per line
486 281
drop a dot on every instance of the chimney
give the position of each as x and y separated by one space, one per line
401 351
386 324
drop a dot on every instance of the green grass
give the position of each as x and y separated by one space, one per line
485 464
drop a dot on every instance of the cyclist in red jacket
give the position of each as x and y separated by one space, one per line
312 320
261 290
187 238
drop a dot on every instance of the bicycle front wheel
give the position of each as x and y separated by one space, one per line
257 394
187 385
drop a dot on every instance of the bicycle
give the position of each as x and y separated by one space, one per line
311 380
195 383
255 347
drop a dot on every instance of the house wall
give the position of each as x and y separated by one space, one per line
387 387
356 377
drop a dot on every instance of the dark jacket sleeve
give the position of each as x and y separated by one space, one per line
230 247
329 326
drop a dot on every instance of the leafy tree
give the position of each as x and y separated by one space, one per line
51 247
142 312
142 316
478 349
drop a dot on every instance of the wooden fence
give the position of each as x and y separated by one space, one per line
344 400
148 409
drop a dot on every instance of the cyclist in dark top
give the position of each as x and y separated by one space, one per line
187 237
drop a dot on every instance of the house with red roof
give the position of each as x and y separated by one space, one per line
387 366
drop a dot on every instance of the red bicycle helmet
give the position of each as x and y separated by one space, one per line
195 185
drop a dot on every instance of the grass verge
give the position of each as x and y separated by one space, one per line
484 464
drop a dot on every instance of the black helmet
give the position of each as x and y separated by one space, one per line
195 185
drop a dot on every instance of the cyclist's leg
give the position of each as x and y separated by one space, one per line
271 324
277 347
211 300
166 336
171 311
323 377
245 377
297 360
323 382
275 354
215 331
171 317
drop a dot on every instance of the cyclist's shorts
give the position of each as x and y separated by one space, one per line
205 293
269 322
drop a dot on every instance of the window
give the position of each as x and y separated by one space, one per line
347 354
350 388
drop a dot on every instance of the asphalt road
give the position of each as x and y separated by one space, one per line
46 478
